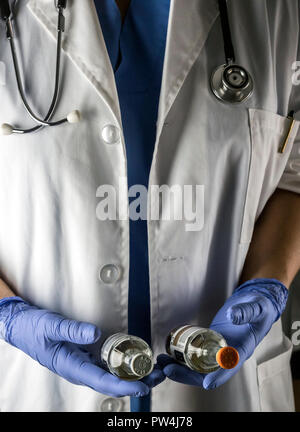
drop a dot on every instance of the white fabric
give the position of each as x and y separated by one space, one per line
52 245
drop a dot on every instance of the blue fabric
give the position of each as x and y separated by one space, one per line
136 51
244 320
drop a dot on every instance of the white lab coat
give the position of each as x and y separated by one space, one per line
52 245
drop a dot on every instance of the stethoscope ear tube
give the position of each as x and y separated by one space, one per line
60 4
5 11
228 45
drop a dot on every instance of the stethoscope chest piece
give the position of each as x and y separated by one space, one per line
231 83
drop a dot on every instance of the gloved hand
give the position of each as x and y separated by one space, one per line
244 320
55 342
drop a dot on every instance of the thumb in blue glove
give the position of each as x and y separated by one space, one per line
56 343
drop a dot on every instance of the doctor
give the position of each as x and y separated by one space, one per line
140 75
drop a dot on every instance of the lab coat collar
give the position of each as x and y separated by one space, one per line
189 25
83 42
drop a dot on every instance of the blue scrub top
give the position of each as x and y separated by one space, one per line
136 49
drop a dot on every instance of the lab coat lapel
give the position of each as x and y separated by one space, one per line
83 43
189 25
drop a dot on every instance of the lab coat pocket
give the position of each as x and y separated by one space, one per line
275 381
268 133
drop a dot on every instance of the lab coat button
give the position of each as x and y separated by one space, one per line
111 405
110 134
109 273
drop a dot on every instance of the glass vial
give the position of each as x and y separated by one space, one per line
128 357
202 350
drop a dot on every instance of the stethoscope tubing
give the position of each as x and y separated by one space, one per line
42 123
74 116
227 38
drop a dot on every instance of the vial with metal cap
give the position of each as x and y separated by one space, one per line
127 357
202 350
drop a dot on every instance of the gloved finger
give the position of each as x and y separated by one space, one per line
220 376
164 360
156 377
183 375
106 383
245 313
64 330
179 373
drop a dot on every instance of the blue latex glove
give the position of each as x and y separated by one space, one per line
244 320
56 343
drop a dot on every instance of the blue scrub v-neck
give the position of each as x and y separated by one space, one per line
136 50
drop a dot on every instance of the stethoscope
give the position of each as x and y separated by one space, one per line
72 117
230 82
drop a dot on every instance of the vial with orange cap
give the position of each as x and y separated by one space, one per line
202 350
